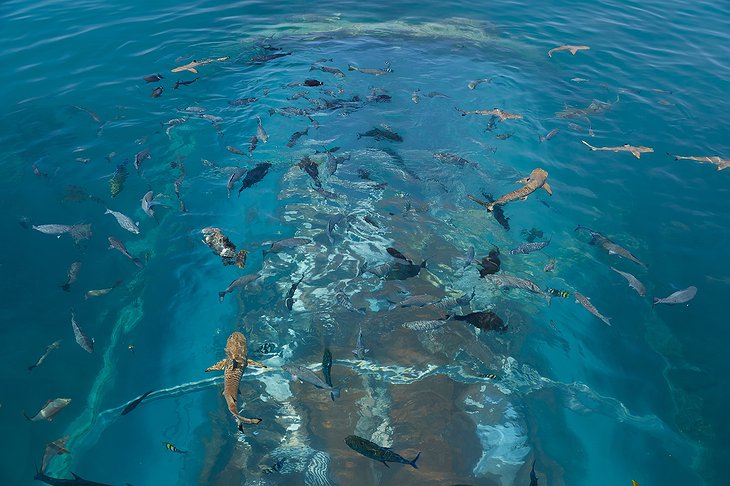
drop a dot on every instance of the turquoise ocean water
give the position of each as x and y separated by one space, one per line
644 399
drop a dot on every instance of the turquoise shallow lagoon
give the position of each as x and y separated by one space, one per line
643 399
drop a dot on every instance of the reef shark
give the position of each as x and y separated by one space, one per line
572 49
536 180
635 151
703 159
233 366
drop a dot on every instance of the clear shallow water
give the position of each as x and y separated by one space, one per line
643 399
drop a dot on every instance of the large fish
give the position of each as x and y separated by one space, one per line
116 183
374 72
327 366
49 348
495 112
344 301
633 282
73 273
277 246
511 282
678 297
50 409
119 246
360 350
235 177
715 160
381 134
223 247
404 270
192 66
81 338
53 449
311 168
140 157
328 69
289 298
240 282
377 453
53 229
525 248
415 301
635 151
124 221
135 403
260 132
426 325
147 203
609 246
296 136
254 176
486 320
332 224
233 366
533 476
268 57
303 374
571 49
76 481
536 180
586 303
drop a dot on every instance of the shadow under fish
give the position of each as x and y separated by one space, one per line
498 212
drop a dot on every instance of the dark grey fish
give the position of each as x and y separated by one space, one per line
288 111
678 297
328 69
398 255
473 84
242 101
73 273
151 78
381 134
435 94
254 176
549 135
296 136
119 246
297 95
332 224
277 246
180 82
327 366
304 374
134 403
343 300
334 162
609 246
374 451
157 92
379 270
311 168
448 158
76 481
485 320
403 271
235 177
289 298
81 338
240 282
252 144
360 350
525 248
448 303
268 57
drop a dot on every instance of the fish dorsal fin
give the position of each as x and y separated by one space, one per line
77 477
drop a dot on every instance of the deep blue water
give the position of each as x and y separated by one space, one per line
643 399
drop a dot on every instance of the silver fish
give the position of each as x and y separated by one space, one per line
240 282
586 303
141 157
360 350
296 96
170 124
678 297
447 303
119 246
511 282
304 374
50 409
99 292
147 203
124 221
277 246
633 282
49 348
415 97
550 265
473 84
81 338
53 229
374 72
332 224
529 247
328 69
415 301
235 177
73 273
260 132
426 325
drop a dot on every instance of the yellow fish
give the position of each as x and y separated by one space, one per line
172 448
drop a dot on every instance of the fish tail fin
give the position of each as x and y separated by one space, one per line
656 301
413 462
423 263
26 416
221 296
138 262
548 298
66 287
386 464
335 393
589 145
108 211
31 367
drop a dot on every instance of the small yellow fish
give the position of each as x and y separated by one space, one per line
172 448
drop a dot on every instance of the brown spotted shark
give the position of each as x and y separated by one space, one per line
233 366
572 49
703 159
635 151
536 180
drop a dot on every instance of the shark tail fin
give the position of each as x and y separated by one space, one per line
413 462
335 393
66 287
26 416
350 68
589 145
